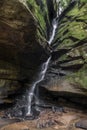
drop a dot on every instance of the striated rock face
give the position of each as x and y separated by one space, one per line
24 28
23 33
69 61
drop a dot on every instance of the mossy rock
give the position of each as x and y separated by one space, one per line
70 43
79 78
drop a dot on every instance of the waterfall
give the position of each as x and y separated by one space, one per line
41 77
55 22
60 8
54 25
44 67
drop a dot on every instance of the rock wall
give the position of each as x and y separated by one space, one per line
67 73
23 46
24 30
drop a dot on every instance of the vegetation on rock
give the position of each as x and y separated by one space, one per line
70 50
23 38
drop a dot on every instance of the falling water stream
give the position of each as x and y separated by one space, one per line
43 71
44 68
41 77
54 24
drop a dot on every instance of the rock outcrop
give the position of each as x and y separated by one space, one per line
23 32
67 73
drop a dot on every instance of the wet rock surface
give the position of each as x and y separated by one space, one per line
67 72
71 118
82 124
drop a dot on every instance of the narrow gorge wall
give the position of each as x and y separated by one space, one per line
68 70
24 26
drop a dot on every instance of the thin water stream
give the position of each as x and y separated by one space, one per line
54 25
40 78
44 66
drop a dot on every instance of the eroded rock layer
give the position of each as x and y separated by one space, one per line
23 33
68 69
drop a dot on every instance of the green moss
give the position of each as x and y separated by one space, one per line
85 1
79 78
72 63
82 18
66 43
74 11
63 58
73 27
40 15
72 36
77 31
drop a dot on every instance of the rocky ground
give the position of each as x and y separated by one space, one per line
72 117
